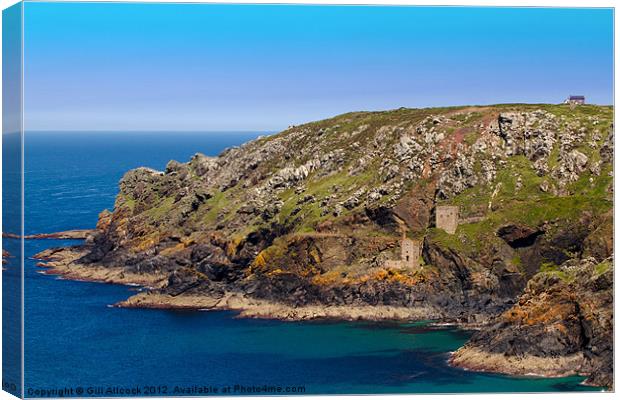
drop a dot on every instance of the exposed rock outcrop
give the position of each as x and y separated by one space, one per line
72 234
562 325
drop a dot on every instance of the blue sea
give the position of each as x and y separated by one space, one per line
74 340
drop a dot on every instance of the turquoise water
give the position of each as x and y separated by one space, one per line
74 340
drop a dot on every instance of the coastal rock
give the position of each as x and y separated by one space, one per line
5 256
71 234
560 326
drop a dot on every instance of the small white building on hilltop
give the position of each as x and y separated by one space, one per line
572 99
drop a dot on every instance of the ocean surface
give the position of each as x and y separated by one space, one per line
75 341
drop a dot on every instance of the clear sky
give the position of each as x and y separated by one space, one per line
126 66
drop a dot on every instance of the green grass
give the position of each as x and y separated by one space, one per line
126 202
214 206
160 210
555 270
569 276
310 212
603 267
470 138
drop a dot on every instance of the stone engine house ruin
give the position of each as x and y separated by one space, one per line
447 218
410 252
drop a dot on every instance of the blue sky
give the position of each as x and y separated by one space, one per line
114 66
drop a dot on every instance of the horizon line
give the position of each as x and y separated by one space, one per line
273 131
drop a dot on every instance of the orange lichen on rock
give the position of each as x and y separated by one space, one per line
105 218
394 276
233 245
259 261
145 242
329 278
540 313
173 249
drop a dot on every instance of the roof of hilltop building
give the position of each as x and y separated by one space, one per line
577 97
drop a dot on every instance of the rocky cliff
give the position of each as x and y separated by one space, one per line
562 325
304 223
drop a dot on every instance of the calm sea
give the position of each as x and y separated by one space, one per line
74 340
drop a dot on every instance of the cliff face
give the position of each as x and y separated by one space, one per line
311 216
561 325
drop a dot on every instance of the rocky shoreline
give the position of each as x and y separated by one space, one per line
486 361
256 308
71 234
562 325
62 262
